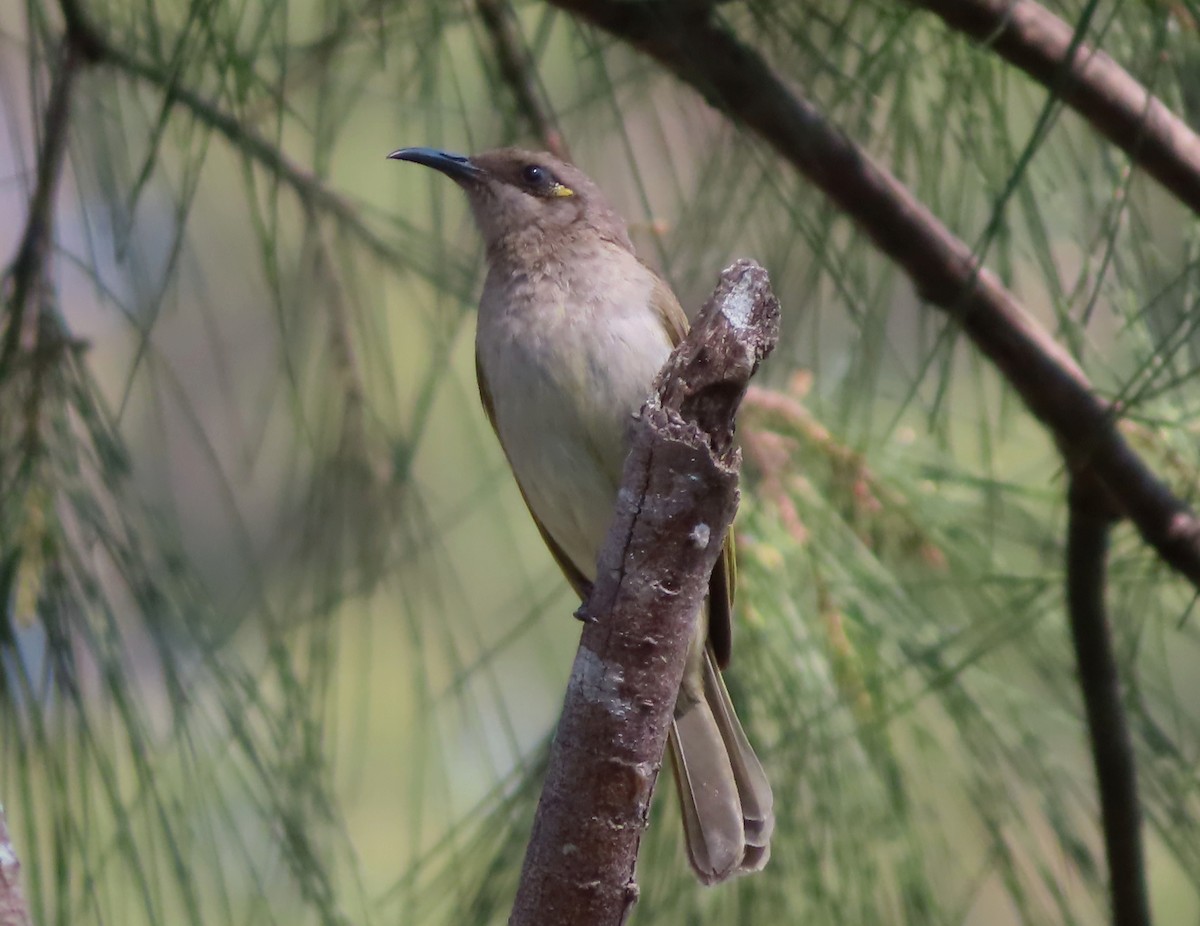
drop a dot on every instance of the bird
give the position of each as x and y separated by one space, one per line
572 329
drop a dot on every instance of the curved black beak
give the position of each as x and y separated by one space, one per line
455 166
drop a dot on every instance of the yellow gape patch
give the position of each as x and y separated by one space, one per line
560 190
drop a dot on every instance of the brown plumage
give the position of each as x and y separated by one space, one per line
573 327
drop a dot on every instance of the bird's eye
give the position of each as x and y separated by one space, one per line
535 175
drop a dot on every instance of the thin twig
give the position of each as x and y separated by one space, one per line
1029 36
771 416
343 355
27 276
267 154
519 72
31 338
1088 526
735 79
308 187
678 497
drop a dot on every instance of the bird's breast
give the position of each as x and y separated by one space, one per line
566 371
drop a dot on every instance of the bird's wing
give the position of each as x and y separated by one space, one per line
578 582
721 583
663 301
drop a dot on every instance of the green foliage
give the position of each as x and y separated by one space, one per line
278 641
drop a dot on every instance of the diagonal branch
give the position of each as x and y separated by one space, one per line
737 81
677 499
1029 36
518 70
1088 527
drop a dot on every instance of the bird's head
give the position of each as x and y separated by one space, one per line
524 199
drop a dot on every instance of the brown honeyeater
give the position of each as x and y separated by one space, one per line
573 328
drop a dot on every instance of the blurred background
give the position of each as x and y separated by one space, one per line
280 642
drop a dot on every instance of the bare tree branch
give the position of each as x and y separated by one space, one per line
13 910
1089 522
735 79
1027 35
677 499
518 71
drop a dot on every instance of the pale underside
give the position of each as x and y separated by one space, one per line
564 388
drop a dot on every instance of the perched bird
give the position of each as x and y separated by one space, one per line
573 328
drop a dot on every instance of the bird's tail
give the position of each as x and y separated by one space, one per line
723 791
